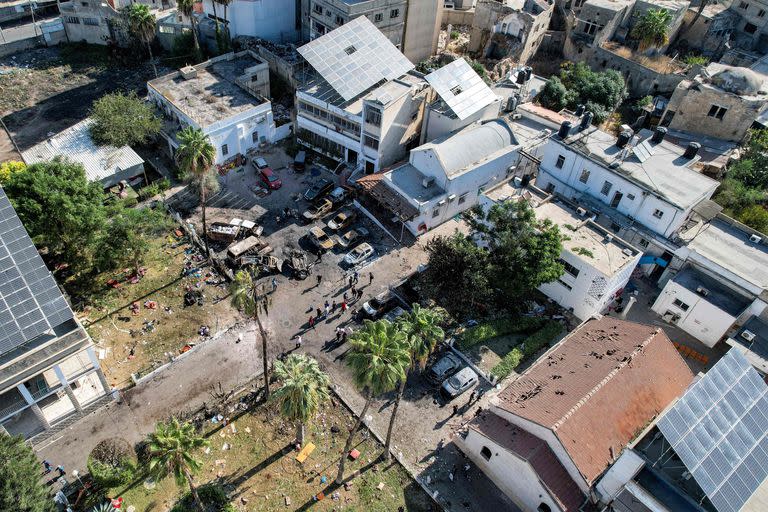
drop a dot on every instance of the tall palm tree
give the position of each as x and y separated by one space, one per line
305 387
171 451
652 30
378 358
187 8
422 332
250 296
196 156
141 25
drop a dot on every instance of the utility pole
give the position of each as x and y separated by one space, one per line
32 10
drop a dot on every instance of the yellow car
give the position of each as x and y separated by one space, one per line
320 239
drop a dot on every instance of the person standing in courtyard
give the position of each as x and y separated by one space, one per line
370 278
298 341
319 313
274 284
343 307
311 322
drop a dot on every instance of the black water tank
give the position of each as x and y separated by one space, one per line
528 73
520 76
579 110
623 139
586 120
511 104
659 134
565 129
691 150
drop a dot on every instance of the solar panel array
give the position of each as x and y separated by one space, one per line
643 151
30 300
354 57
718 429
461 88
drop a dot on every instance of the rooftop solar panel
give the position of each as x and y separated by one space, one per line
354 57
30 300
461 88
718 429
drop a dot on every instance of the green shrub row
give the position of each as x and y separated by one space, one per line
107 475
531 345
154 189
499 327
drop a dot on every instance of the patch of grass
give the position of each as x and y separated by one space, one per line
583 252
499 327
530 347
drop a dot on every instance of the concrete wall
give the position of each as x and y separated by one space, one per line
702 319
422 28
513 475
621 472
454 17
641 80
87 21
273 20
391 27
437 124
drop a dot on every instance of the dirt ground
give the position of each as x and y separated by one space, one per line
46 90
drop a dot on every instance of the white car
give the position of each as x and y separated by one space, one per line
351 236
359 254
260 163
459 383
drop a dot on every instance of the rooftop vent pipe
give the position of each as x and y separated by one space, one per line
579 110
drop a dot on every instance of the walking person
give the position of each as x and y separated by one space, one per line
354 291
327 309
343 307
356 277
319 313
370 278
351 280
298 341
455 410
333 307
311 322
274 284
338 333
343 336
47 466
472 397
360 294
344 297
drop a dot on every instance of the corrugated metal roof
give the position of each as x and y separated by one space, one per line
599 388
76 144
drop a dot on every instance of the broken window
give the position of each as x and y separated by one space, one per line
560 161
318 9
584 176
486 453
750 28
743 5
717 111
378 17
435 212
394 13
761 13
642 243
591 28
680 304
606 188
339 20
373 116
463 198
565 285
371 142
570 269
224 150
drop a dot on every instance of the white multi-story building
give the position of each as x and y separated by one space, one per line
226 97
364 103
273 20
49 370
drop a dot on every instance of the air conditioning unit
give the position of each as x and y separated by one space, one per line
581 211
755 239
702 291
428 181
628 252
748 335
608 239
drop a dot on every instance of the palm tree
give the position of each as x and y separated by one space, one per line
227 38
421 327
196 156
378 359
652 29
305 387
171 448
187 8
141 24
104 507
250 296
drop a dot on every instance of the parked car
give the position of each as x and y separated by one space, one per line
260 163
299 161
318 189
339 195
352 236
341 220
359 254
270 179
317 210
377 305
444 368
459 383
394 314
320 239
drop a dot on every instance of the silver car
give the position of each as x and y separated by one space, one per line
459 383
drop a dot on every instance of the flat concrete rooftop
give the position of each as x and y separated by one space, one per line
581 236
408 179
383 93
212 95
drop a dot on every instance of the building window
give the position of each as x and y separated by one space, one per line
84 4
606 188
642 243
761 13
750 28
319 28
255 137
435 212
91 21
631 197
486 453
224 150
371 142
584 176
717 111
373 116
570 269
543 507
658 213
349 50
378 17
591 28
318 9
165 29
565 285
743 5
74 20
339 20
463 198
560 161
680 304
394 13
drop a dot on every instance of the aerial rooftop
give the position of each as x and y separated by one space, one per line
755 349
657 167
210 93
598 388
461 88
717 293
408 179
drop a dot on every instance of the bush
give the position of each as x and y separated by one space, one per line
499 327
528 348
111 463
210 494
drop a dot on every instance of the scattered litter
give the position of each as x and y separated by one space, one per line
380 486
219 462
247 430
207 450
287 501
354 454
225 447
323 479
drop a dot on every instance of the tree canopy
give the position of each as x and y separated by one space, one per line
21 489
600 92
652 29
8 168
123 120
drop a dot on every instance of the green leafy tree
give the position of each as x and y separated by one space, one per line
422 330
21 488
171 447
755 216
123 120
187 8
62 211
8 168
523 252
128 236
195 157
250 296
378 357
304 388
554 95
652 29
141 25
457 275
752 169
734 196
577 84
